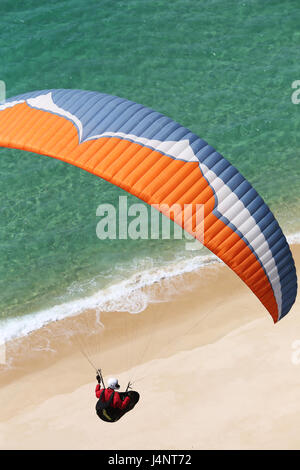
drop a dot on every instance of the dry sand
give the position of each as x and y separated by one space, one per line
212 369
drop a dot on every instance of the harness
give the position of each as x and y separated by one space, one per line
103 405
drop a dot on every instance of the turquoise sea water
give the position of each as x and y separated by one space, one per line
222 68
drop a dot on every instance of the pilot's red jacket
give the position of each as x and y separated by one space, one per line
117 401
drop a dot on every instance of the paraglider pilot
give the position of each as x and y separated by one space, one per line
112 405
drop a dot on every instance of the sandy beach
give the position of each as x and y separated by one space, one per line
212 369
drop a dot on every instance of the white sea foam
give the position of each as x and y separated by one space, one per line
126 295
294 238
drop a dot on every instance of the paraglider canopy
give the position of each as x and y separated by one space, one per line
159 161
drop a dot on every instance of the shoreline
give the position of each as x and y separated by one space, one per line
18 327
104 299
